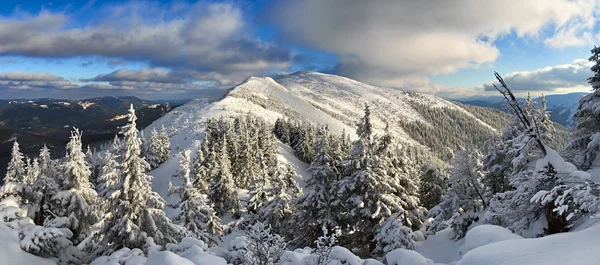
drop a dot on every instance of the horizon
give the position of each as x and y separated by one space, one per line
182 49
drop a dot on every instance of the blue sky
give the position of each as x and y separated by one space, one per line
181 49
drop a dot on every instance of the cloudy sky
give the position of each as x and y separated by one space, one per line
181 49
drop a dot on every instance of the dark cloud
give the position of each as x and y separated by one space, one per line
155 75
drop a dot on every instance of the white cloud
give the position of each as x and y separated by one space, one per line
204 37
564 78
378 41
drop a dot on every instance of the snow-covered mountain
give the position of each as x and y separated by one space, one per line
420 121
561 106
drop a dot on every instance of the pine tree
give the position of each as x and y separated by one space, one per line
586 133
223 192
195 214
433 185
44 187
315 208
245 165
15 171
261 190
278 211
165 145
154 149
200 171
136 212
544 124
378 184
73 203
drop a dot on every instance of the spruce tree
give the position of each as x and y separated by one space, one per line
223 192
76 198
586 133
278 211
378 183
15 172
44 187
138 212
316 208
195 213
433 185
200 172
261 190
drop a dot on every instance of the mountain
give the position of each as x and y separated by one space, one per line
424 124
38 121
561 106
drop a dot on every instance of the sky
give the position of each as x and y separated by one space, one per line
184 49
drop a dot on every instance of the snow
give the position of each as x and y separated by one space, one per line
153 106
555 159
440 248
44 106
403 256
11 139
485 234
118 117
167 258
11 253
86 105
574 248
287 154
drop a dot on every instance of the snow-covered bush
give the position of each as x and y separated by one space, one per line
261 247
44 241
322 254
124 256
393 234
12 215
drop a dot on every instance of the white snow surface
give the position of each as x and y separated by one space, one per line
486 234
12 254
574 248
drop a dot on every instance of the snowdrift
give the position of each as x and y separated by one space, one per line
574 248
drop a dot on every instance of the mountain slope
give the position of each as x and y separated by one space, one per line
337 102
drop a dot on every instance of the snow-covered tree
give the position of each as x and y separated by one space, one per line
44 187
223 192
465 197
47 165
200 173
136 212
261 189
76 198
433 185
544 124
195 213
393 234
497 166
165 144
278 211
586 133
315 207
378 184
15 175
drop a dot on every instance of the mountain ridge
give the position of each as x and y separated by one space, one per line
337 102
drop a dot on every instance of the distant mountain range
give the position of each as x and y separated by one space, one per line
37 121
561 106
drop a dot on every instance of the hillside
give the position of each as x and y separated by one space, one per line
337 102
